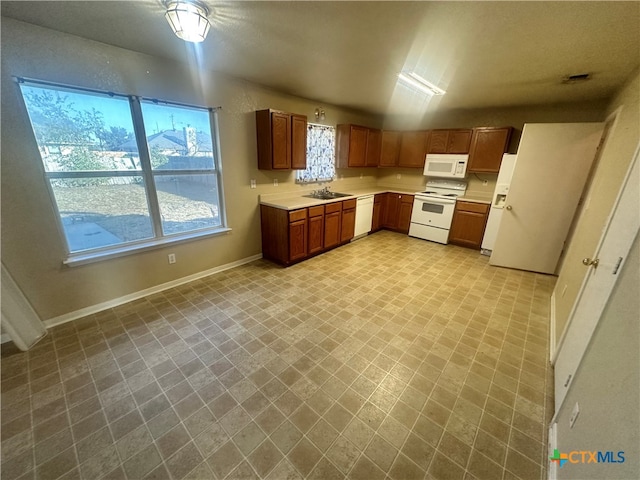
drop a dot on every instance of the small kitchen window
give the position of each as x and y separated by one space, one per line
321 156
125 173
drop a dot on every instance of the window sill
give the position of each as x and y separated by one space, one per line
78 259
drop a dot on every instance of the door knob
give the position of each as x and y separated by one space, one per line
509 207
588 262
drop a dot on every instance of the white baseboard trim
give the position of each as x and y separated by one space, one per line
552 444
83 312
552 327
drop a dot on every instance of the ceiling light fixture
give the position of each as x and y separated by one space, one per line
416 81
188 20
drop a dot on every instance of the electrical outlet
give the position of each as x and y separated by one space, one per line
172 258
253 183
398 176
574 415
275 182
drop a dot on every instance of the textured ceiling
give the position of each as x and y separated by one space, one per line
485 54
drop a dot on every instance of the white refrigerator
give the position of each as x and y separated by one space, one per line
498 202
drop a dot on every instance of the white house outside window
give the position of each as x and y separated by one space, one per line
124 172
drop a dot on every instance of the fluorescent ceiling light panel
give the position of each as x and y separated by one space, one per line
416 81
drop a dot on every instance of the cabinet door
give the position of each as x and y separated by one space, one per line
390 219
332 229
374 144
316 232
404 213
469 222
378 212
390 149
297 240
487 147
298 142
412 149
281 140
459 141
348 225
358 146
438 141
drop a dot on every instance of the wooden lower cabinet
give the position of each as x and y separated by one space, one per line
348 224
397 212
289 236
379 202
332 224
315 241
297 240
468 225
404 213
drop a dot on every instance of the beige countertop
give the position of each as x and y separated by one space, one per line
476 198
293 201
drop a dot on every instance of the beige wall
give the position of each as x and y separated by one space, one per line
607 386
32 247
614 162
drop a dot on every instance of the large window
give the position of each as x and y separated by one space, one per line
321 157
125 172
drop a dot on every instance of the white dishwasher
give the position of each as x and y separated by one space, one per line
364 215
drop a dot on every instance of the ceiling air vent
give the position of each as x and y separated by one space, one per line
581 77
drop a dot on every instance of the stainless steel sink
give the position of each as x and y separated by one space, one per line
327 195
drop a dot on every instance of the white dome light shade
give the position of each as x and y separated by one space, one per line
188 20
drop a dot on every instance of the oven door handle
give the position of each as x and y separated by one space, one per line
436 201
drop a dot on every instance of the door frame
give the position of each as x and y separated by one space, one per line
585 199
623 205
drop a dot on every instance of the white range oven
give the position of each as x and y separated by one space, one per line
433 210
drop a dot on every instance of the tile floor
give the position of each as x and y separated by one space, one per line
391 357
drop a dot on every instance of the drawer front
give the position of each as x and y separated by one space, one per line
472 207
333 207
347 204
316 211
296 215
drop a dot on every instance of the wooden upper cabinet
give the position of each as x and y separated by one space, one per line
412 149
488 144
450 141
374 145
390 148
351 146
298 142
282 140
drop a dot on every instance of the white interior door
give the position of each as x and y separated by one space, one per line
604 267
551 169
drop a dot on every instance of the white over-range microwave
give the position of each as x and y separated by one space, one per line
446 165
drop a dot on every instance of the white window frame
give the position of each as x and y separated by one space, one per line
159 239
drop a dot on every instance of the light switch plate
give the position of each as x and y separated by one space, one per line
253 183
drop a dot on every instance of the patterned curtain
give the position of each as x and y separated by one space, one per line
321 165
